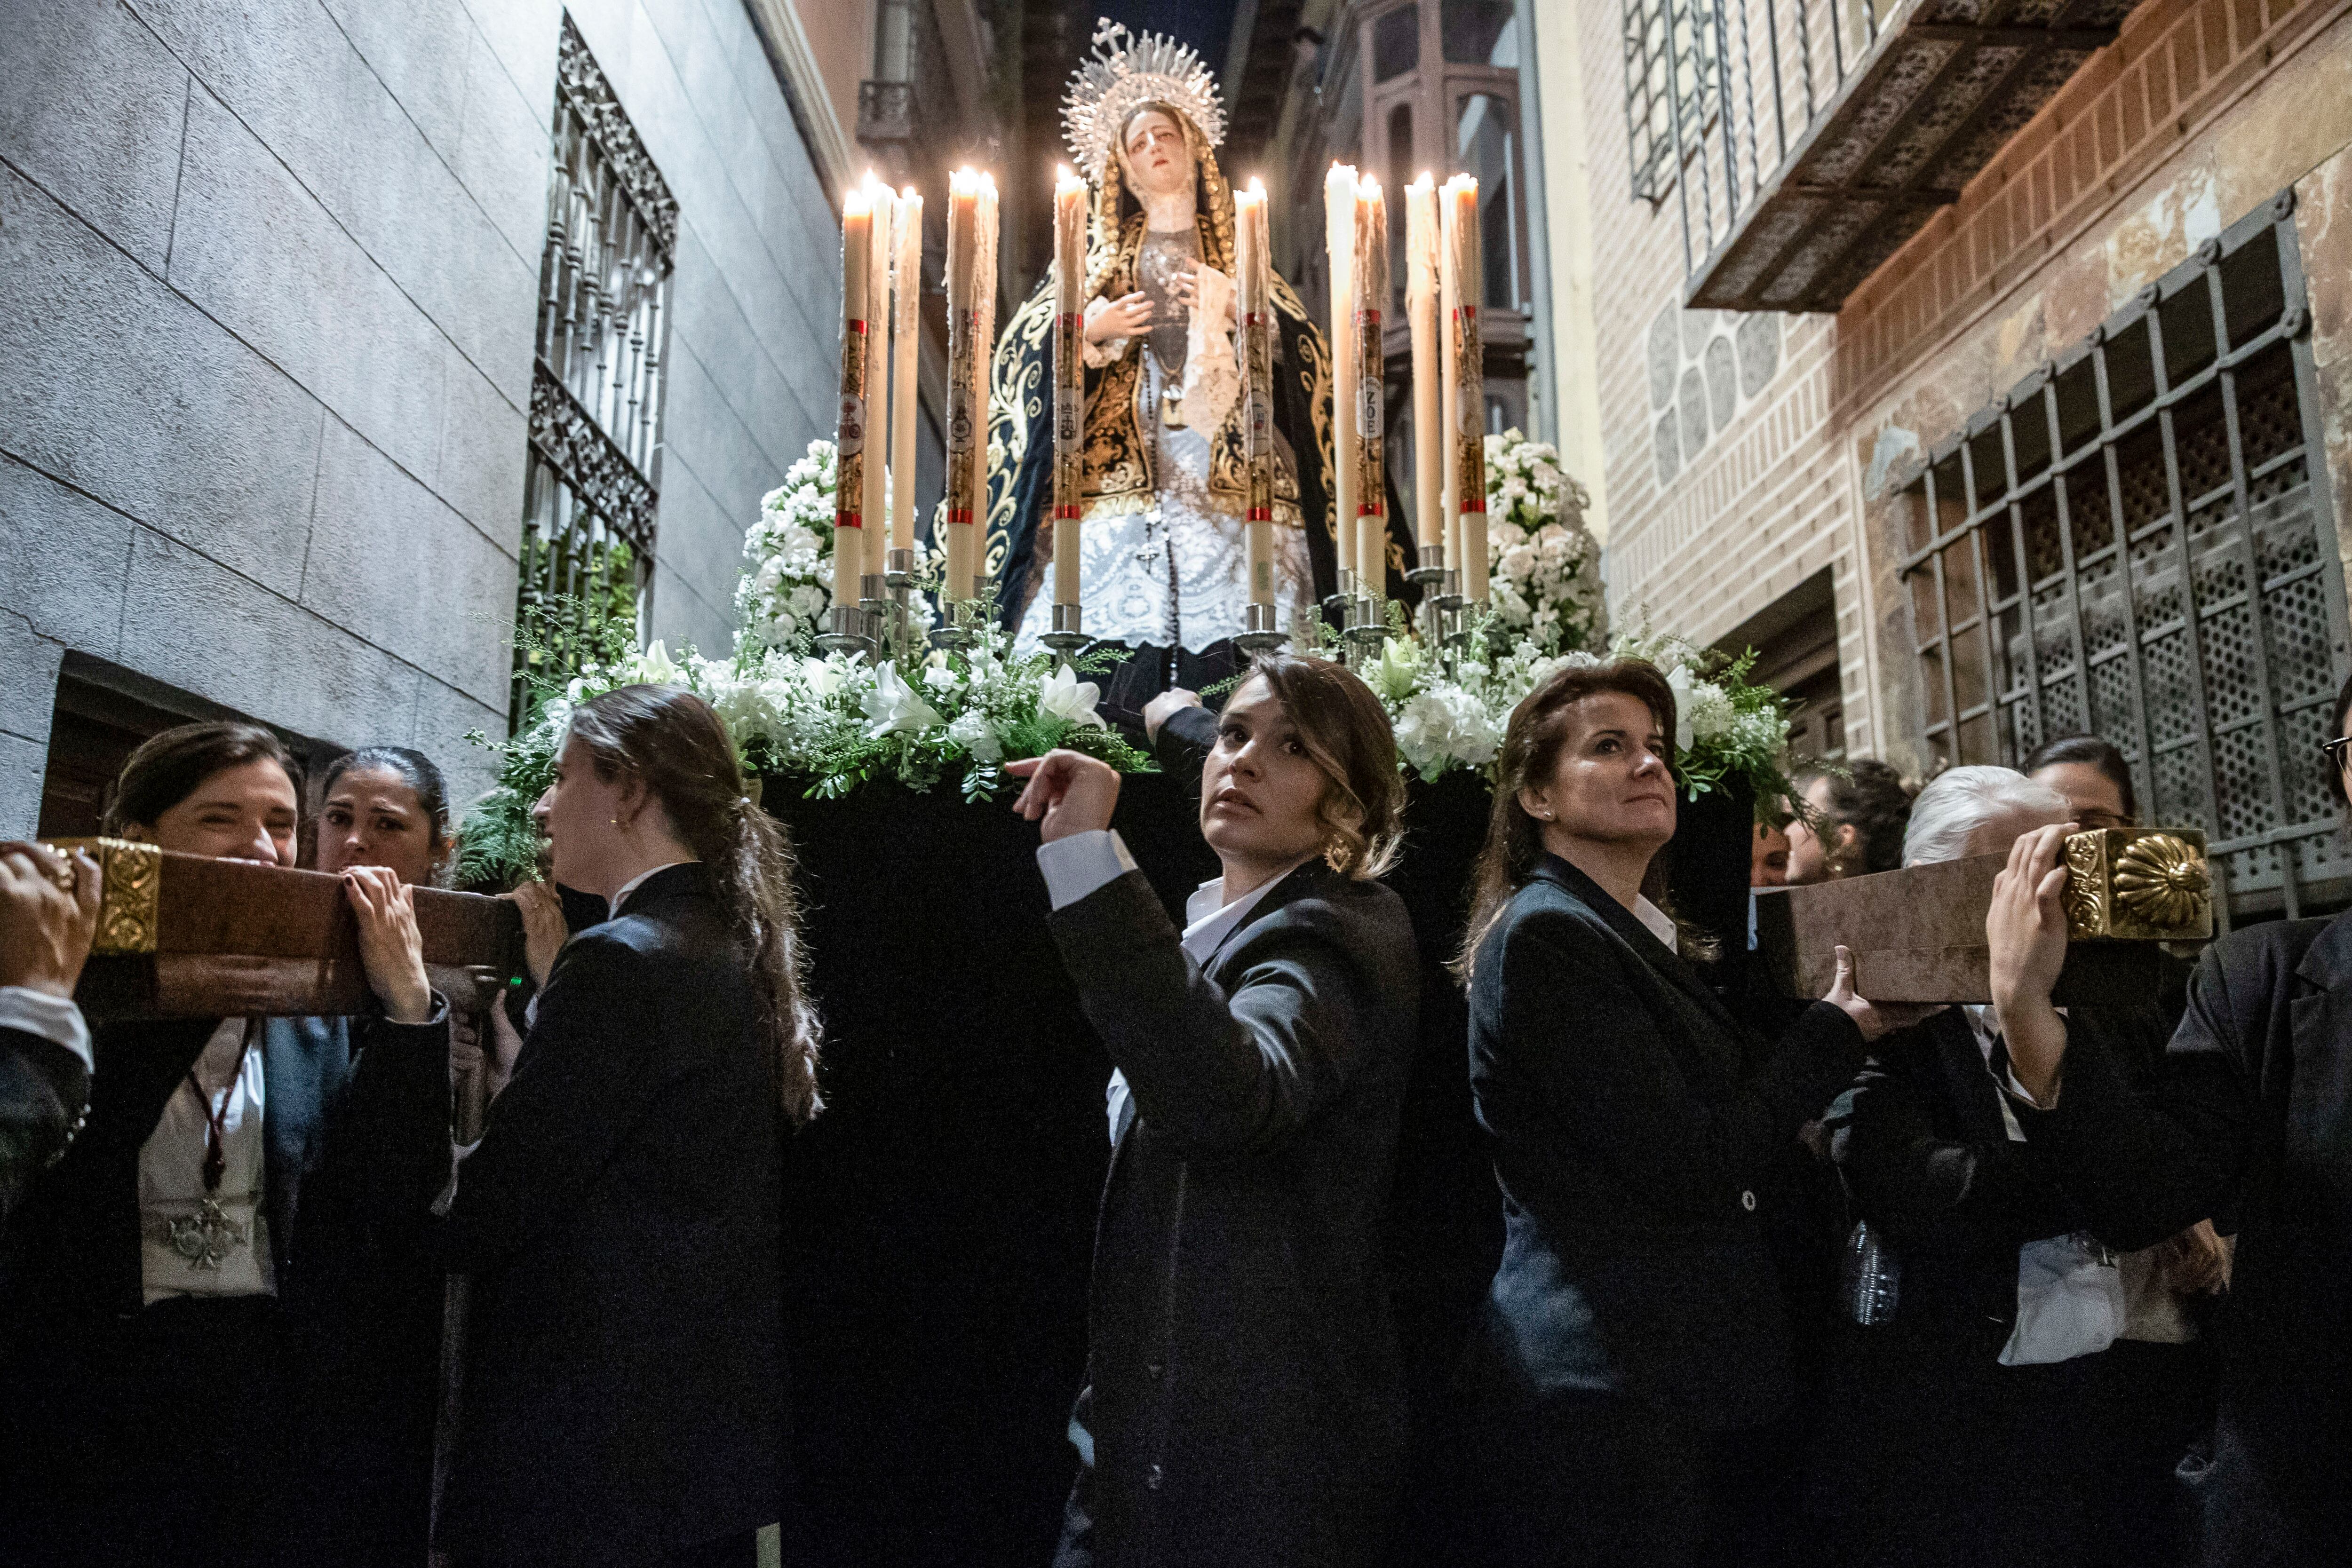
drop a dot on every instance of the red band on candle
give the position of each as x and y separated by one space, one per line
858 328
961 515
1475 504
1261 514
1374 508
1066 511
848 520
1368 318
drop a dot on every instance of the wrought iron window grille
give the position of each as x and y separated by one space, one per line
2164 485
597 390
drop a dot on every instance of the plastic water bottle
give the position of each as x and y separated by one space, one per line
1870 1276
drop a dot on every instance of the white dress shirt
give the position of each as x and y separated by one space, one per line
52 1018
172 1180
2070 1293
1659 924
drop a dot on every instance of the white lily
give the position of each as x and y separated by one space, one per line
892 706
1679 680
655 668
1071 699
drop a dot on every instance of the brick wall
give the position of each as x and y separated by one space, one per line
2202 110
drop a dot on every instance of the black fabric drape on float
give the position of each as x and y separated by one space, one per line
941 1212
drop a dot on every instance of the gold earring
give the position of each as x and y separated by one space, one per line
1336 854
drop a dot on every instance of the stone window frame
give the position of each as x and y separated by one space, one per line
2197 400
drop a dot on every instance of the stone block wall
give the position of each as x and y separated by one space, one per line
267 290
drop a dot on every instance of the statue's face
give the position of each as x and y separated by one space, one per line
1159 164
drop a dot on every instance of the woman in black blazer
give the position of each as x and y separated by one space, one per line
1635 1349
1244 1401
168 1282
622 1217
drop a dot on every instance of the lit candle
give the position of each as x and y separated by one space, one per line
1339 244
1372 280
963 252
1069 382
906 342
984 311
1254 283
1421 311
849 432
876 510
1469 430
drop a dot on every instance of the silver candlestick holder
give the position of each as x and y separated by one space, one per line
1068 636
849 629
1368 629
1336 607
1430 577
1261 630
899 586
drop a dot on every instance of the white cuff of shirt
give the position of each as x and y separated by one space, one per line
1077 866
458 1153
54 1019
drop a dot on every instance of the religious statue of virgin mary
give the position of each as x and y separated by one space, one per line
1164 485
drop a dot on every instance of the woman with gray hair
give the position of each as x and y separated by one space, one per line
2064 1377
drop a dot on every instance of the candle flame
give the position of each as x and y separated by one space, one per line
1369 188
1258 187
857 204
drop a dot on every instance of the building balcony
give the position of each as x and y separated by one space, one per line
1814 137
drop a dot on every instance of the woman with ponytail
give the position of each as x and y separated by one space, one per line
1635 1350
622 1216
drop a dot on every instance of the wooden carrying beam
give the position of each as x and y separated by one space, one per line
183 937
1918 935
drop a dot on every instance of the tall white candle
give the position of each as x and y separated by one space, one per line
874 534
1339 244
906 343
1069 381
1421 311
1469 433
963 251
983 285
850 428
1254 278
1371 282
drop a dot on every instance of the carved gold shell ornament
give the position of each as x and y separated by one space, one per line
2163 880
2139 884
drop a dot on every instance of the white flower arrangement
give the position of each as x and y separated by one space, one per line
1544 574
1724 725
831 723
787 584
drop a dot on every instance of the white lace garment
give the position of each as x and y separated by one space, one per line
1176 574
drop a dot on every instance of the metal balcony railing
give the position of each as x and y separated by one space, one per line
1804 141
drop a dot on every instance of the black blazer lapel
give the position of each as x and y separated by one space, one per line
2318 1019
1668 965
1300 881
